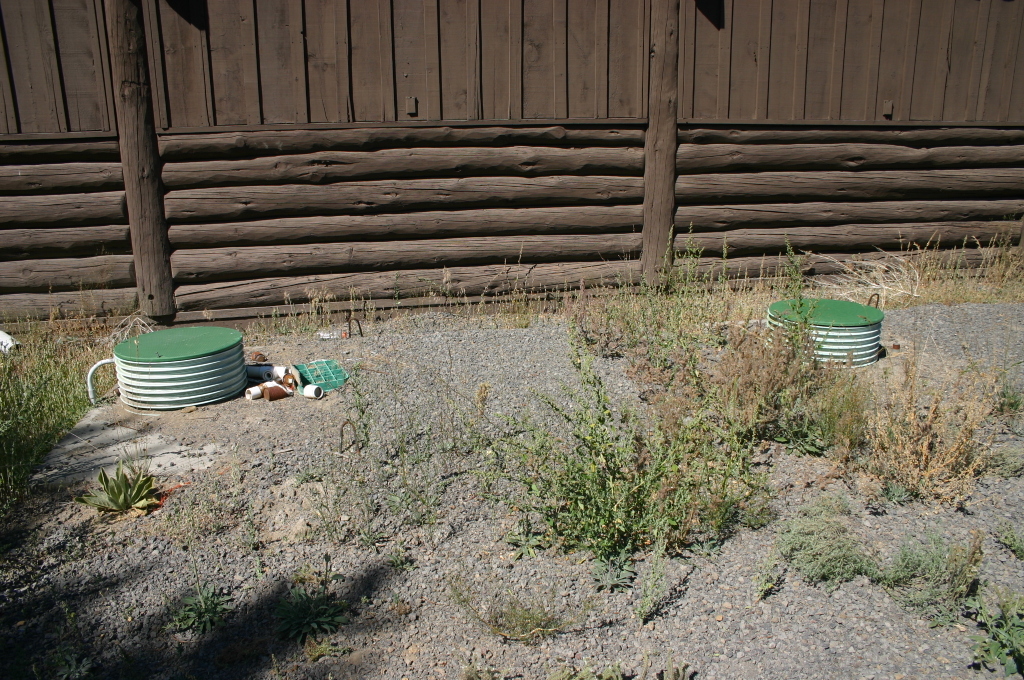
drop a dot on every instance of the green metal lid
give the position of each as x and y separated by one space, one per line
178 344
826 312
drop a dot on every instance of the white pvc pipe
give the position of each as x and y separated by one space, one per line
88 378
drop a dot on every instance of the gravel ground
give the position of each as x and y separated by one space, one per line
74 586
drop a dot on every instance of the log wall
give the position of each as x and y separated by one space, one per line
64 243
750 192
264 218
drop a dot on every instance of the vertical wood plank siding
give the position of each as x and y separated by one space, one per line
842 60
284 62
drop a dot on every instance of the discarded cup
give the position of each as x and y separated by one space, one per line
253 393
258 357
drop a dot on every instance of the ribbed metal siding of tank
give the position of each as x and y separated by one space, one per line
851 336
180 367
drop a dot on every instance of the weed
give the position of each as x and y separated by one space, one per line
934 579
203 611
925 441
1014 542
526 541
1009 399
896 493
42 394
313 612
770 575
819 545
473 671
614 486
587 673
123 492
653 585
399 560
509 616
614 574
1002 645
318 649
67 664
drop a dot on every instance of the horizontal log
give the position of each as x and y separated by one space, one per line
825 265
270 142
922 137
63 210
760 187
334 166
222 264
238 203
19 244
716 218
847 237
431 224
33 276
51 152
696 158
60 177
450 282
102 302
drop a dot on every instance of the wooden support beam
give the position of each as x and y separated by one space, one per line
139 157
660 143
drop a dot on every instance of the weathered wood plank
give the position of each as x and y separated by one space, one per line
538 59
235 203
34 67
20 244
926 137
495 58
327 60
582 58
742 75
232 264
428 224
233 62
627 68
454 15
410 58
697 158
8 106
846 237
81 64
366 49
35 276
716 218
875 185
821 21
220 145
63 210
60 178
75 303
186 63
282 64
449 282
962 41
333 166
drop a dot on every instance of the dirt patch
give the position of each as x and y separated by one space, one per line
276 486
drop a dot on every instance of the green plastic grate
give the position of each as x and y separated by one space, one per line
326 373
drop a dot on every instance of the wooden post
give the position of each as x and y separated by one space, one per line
660 143
140 158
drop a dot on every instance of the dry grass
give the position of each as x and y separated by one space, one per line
42 393
923 438
971 273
